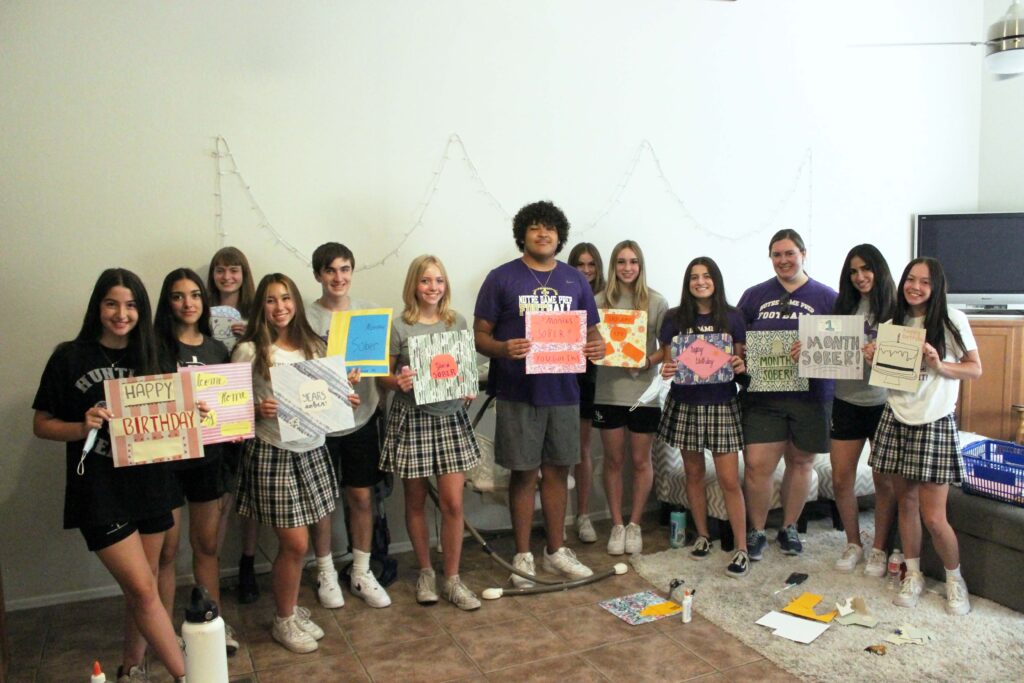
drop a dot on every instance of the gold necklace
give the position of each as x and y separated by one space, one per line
543 290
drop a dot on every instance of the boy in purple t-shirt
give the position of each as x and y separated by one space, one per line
537 423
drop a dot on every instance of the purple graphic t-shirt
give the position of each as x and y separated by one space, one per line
768 306
508 292
703 394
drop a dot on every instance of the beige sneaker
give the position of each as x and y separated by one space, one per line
523 562
288 633
634 544
617 540
302 618
958 603
426 587
850 558
910 590
563 561
585 529
459 594
876 564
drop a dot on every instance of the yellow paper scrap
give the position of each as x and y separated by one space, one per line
803 606
662 609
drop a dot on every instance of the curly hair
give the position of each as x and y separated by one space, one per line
540 213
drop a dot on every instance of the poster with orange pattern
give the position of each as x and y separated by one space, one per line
625 337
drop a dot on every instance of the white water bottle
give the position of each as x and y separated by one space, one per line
893 569
206 655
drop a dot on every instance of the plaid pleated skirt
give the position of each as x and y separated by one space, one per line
284 489
928 452
691 427
418 444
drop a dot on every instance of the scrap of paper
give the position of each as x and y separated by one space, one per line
312 398
703 358
363 339
641 608
854 612
155 419
908 634
445 366
558 338
830 346
227 390
803 606
625 337
792 628
898 354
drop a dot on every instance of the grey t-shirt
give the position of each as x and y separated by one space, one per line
400 333
858 391
623 386
320 320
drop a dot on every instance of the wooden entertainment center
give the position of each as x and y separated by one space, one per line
986 404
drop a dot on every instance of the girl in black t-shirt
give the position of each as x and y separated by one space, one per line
122 513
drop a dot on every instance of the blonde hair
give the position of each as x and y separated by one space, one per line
263 335
417 268
613 290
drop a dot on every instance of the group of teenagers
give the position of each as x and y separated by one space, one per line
130 516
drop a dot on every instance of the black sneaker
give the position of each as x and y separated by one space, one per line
789 541
756 543
740 565
701 548
248 589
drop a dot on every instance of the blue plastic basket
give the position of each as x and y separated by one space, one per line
995 469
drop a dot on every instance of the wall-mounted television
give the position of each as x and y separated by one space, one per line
982 254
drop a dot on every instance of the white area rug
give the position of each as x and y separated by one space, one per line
986 645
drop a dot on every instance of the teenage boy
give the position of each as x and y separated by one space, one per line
538 420
355 452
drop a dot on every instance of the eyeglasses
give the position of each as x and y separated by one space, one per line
784 304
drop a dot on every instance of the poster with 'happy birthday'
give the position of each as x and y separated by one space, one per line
445 366
155 419
703 358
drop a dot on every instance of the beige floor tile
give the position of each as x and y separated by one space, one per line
713 645
761 670
567 669
655 658
502 645
427 660
589 626
341 668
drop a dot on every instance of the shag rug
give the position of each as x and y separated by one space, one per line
986 645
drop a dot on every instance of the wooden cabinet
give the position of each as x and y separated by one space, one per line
986 404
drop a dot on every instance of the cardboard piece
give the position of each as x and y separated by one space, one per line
899 351
558 339
221 320
312 398
155 419
792 628
363 339
227 391
769 364
831 346
803 606
625 338
703 358
445 366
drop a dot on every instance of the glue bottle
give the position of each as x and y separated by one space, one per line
687 607
206 656
97 674
893 569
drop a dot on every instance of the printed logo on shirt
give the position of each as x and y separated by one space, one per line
97 375
765 314
544 299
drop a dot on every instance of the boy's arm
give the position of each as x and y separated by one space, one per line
483 335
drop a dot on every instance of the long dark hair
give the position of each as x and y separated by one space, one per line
142 354
579 250
882 298
686 314
262 334
936 317
164 322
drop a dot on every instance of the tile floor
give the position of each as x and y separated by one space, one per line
562 636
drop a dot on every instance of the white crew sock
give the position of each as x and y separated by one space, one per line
913 565
325 564
954 574
360 562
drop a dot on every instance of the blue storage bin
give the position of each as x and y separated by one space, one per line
995 469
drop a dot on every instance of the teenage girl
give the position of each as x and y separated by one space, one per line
707 416
432 440
230 283
917 440
585 258
865 288
122 513
783 424
285 485
182 325
618 390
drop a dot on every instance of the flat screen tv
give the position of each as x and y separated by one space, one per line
982 254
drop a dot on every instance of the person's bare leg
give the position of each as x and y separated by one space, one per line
522 487
166 569
759 463
613 442
693 466
727 470
796 483
909 515
360 520
554 494
450 488
416 520
321 533
286 572
933 511
643 474
584 471
204 521
885 507
844 456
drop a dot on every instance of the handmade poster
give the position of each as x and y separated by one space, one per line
831 346
221 320
769 364
641 608
703 358
155 419
227 390
625 338
898 354
558 339
312 398
363 339
445 366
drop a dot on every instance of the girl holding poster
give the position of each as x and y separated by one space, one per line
865 288
585 258
285 485
619 389
917 440
707 416
182 325
783 423
122 513
431 440
230 283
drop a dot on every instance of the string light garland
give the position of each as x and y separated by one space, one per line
222 154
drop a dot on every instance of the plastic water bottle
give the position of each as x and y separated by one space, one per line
206 656
677 529
893 569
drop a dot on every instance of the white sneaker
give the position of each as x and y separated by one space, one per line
230 640
563 561
958 602
585 529
523 562
302 618
426 587
876 564
617 540
459 594
910 590
328 590
850 557
288 633
366 587
634 539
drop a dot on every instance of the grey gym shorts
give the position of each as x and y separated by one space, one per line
526 436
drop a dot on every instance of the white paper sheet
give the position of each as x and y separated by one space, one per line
792 628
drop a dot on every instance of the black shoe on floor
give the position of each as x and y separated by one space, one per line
789 541
248 589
